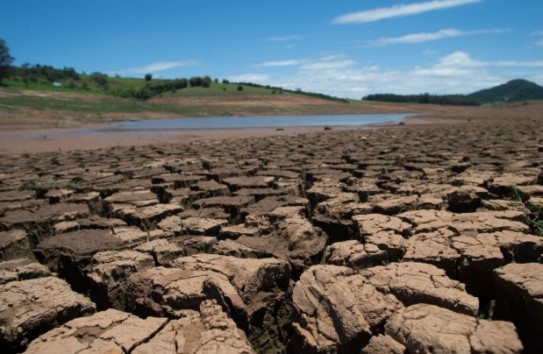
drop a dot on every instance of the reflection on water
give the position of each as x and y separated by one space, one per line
255 122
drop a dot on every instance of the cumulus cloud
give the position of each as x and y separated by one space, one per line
456 72
432 36
400 11
157 67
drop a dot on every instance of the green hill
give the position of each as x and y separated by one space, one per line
515 90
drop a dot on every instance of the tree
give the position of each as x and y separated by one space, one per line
5 61
148 77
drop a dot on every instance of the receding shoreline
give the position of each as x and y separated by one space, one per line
17 139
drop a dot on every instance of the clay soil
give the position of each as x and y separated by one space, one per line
419 237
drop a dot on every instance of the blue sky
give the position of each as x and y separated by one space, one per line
346 48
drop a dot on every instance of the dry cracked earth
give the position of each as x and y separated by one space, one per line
397 240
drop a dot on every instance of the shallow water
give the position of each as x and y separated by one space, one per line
253 122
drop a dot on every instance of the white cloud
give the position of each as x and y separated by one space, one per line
457 72
400 10
518 64
537 33
329 62
254 78
291 62
293 37
539 43
156 67
431 36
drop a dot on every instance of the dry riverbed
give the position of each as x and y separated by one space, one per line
411 238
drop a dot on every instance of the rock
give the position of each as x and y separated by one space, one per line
424 328
519 298
337 310
413 283
14 244
30 307
354 254
21 269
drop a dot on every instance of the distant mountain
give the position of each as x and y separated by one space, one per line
514 90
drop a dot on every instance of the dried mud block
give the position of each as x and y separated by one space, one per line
395 206
504 184
323 190
424 328
145 217
21 269
162 250
382 344
354 254
236 231
466 199
108 272
252 292
519 298
337 310
483 253
433 248
236 183
28 308
14 244
202 226
209 331
76 246
335 218
231 205
473 223
305 243
393 244
370 224
39 223
110 331
414 283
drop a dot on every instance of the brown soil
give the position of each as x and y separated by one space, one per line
392 239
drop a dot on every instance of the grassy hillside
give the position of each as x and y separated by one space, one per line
512 91
84 101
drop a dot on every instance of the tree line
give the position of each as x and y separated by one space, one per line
425 98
